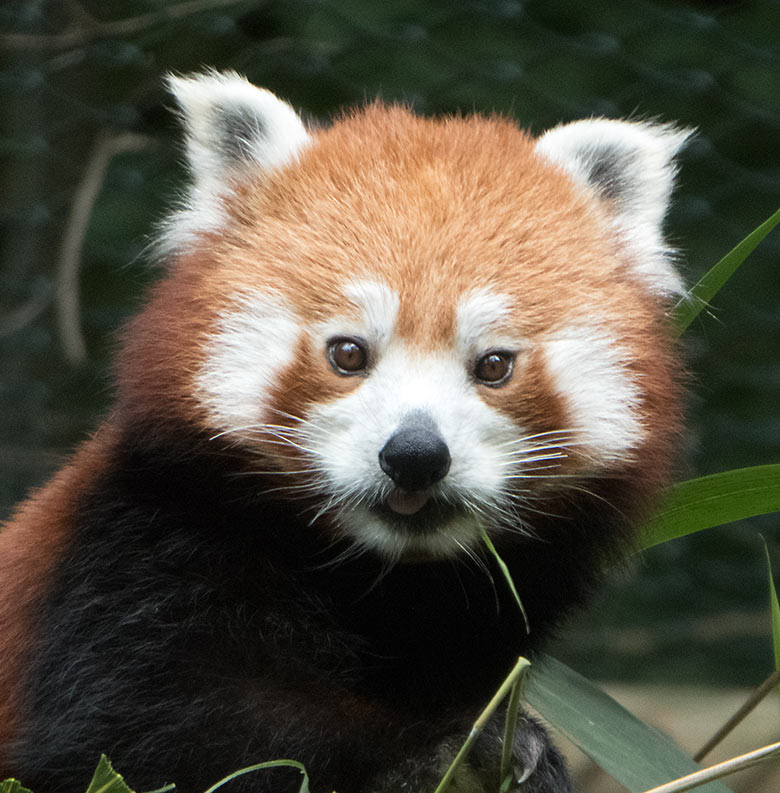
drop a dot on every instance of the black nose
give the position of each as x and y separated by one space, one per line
415 458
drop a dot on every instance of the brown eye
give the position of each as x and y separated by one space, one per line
348 356
494 368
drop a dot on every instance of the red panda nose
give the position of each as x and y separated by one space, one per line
415 458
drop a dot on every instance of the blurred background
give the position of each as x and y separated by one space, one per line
89 161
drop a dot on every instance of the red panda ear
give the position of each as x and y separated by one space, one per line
234 131
631 167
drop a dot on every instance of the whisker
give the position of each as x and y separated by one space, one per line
549 436
271 472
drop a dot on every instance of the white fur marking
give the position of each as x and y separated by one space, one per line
254 342
377 304
480 312
589 369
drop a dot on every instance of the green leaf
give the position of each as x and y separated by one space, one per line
507 577
635 754
304 788
12 786
711 282
106 780
712 501
774 608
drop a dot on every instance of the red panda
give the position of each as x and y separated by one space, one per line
373 343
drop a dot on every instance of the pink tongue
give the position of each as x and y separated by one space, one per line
406 502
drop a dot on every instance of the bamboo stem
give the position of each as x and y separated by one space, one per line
517 671
740 715
720 770
510 724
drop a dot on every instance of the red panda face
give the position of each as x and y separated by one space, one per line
427 328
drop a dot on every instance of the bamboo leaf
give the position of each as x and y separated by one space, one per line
714 500
12 786
711 282
635 754
106 780
774 608
507 577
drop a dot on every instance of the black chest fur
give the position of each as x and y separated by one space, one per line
189 627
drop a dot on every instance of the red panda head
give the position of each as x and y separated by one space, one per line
429 327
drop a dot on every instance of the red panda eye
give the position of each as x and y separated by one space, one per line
494 368
347 356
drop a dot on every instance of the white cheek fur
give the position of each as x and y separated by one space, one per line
591 376
254 342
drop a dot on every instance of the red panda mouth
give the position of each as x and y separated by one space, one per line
416 511
406 502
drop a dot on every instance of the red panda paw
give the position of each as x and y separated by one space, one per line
536 767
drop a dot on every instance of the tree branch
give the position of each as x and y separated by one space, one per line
84 32
106 147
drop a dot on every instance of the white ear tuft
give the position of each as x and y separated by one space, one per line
630 165
234 131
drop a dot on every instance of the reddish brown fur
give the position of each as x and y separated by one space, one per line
31 545
449 205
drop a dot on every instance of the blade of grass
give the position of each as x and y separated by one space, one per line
507 577
261 766
720 770
712 501
710 283
517 671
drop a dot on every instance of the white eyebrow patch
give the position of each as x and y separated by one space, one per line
378 304
253 343
479 312
590 372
